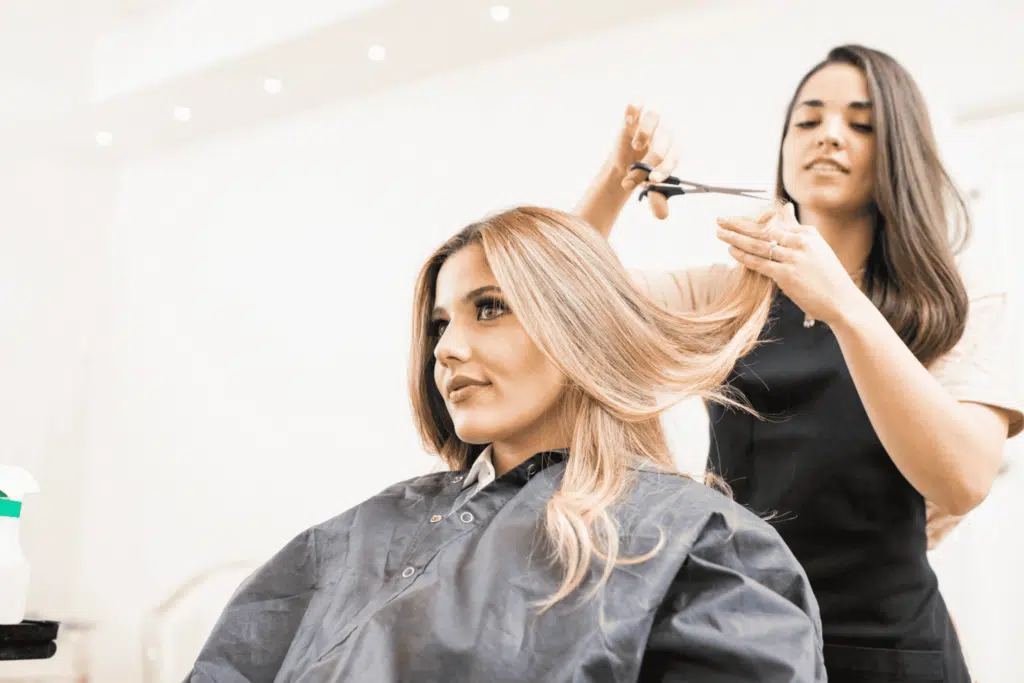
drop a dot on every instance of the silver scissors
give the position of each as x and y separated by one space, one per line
673 186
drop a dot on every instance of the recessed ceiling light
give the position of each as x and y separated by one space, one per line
103 139
499 12
272 86
182 114
377 53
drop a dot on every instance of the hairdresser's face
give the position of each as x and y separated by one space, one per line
828 154
513 390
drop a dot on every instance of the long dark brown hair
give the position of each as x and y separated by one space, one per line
920 219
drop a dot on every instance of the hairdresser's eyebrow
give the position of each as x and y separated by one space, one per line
856 104
486 289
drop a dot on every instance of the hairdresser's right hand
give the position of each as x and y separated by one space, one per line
644 139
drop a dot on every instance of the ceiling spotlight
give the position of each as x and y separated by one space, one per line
272 86
104 139
182 114
499 12
377 53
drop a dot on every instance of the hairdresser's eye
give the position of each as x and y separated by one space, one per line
437 328
805 124
490 309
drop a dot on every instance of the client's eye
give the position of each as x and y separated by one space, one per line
490 308
437 328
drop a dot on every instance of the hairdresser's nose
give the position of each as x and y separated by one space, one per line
453 346
831 133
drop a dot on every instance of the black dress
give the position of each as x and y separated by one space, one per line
837 499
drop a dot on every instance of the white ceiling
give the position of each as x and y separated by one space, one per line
23 12
52 111
46 65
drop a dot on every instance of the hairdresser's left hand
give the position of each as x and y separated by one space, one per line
803 264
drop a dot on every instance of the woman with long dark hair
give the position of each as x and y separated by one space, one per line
886 383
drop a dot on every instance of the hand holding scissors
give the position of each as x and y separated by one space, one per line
643 138
672 186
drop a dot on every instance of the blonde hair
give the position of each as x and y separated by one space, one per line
625 359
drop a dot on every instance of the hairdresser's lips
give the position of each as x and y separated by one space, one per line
826 167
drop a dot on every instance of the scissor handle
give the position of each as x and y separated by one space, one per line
668 187
670 180
662 189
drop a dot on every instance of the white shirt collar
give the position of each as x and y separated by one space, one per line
482 471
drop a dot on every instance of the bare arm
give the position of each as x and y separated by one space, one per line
949 450
604 200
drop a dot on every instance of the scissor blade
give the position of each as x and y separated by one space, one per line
756 194
732 190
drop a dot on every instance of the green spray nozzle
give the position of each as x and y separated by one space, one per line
15 484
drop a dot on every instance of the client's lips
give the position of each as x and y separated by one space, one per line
462 386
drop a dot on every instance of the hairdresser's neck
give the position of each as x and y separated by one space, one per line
849 234
510 453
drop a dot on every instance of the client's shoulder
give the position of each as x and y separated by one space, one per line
401 495
698 513
392 508
679 492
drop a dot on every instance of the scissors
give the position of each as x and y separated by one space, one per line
672 186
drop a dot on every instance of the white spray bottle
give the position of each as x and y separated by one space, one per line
15 484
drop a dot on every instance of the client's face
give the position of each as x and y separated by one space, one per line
497 385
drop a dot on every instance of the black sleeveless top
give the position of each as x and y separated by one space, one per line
817 468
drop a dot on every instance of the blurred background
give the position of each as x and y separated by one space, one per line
212 213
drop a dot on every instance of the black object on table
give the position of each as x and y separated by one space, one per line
28 640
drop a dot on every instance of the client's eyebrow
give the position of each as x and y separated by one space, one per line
439 310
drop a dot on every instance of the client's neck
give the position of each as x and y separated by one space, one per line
509 454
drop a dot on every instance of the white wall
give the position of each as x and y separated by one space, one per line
50 256
979 561
249 374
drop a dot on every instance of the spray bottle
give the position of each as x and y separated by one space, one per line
15 484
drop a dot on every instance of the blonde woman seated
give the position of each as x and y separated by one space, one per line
564 545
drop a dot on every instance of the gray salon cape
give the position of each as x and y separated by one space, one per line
425 583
